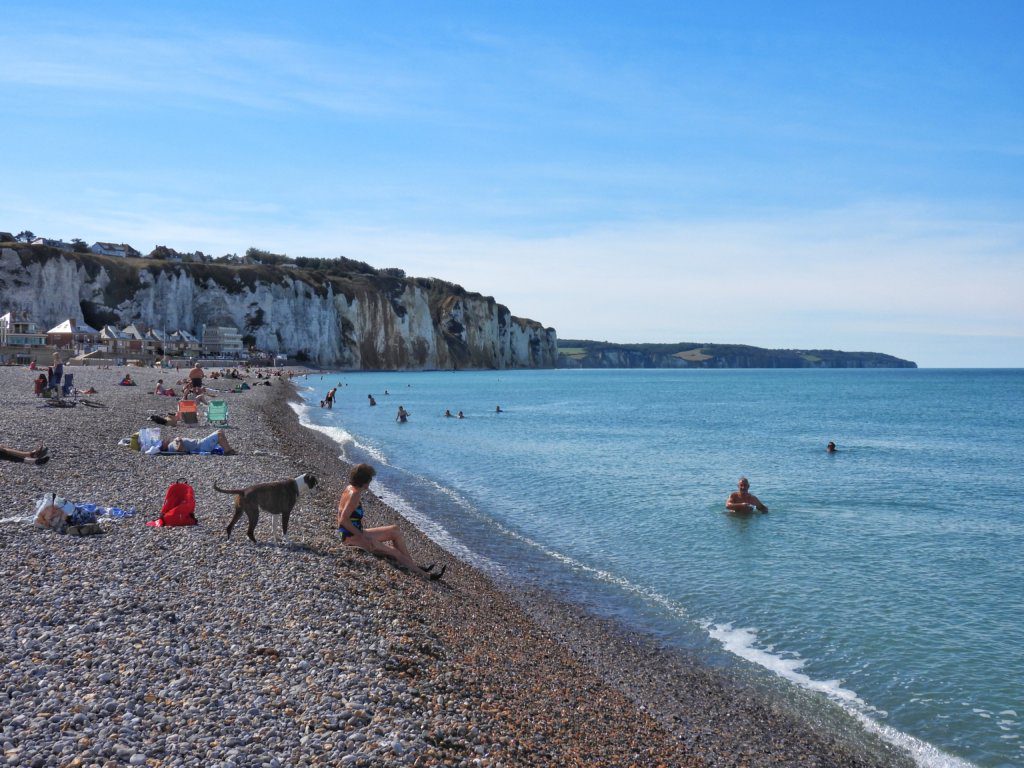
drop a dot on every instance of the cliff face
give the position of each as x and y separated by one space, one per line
361 321
592 354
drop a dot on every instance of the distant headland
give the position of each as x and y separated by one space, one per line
577 353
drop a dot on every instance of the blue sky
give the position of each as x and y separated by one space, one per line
811 175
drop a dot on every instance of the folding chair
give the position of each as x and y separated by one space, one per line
188 412
69 385
217 413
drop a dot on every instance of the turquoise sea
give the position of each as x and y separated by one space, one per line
888 577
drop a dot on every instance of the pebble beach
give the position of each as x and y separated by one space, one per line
182 647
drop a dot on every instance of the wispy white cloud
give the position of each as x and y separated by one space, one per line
260 72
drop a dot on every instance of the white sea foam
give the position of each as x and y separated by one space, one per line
337 434
742 642
649 595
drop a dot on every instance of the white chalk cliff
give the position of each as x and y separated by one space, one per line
359 321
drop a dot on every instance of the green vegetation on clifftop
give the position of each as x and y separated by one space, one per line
573 353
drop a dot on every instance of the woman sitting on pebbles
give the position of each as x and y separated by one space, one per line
374 540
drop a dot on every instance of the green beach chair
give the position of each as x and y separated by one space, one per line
217 413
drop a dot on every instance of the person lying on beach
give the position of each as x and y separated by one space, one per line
743 500
62 516
385 540
212 441
170 420
40 455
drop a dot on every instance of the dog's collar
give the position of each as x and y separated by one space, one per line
301 484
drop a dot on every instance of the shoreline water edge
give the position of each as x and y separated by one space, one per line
179 646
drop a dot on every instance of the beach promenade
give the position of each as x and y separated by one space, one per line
177 646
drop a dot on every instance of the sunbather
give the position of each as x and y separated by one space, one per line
40 455
170 420
387 540
187 445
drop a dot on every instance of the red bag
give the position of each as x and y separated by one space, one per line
179 506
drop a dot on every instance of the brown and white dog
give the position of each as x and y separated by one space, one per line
277 498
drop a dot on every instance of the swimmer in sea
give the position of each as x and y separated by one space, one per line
497 409
402 416
448 414
460 415
743 500
831 447
372 401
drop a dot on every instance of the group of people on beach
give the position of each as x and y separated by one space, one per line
402 416
47 383
383 541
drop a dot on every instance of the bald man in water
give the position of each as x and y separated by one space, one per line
743 500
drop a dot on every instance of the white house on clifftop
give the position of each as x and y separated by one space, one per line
114 249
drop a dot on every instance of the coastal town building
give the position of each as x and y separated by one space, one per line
114 340
136 338
159 342
16 330
22 340
185 343
222 340
163 253
60 244
122 250
70 334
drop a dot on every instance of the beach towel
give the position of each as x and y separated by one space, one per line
179 506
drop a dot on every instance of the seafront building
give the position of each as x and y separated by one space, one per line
22 340
222 340
20 335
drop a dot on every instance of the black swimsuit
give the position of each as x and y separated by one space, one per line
356 520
